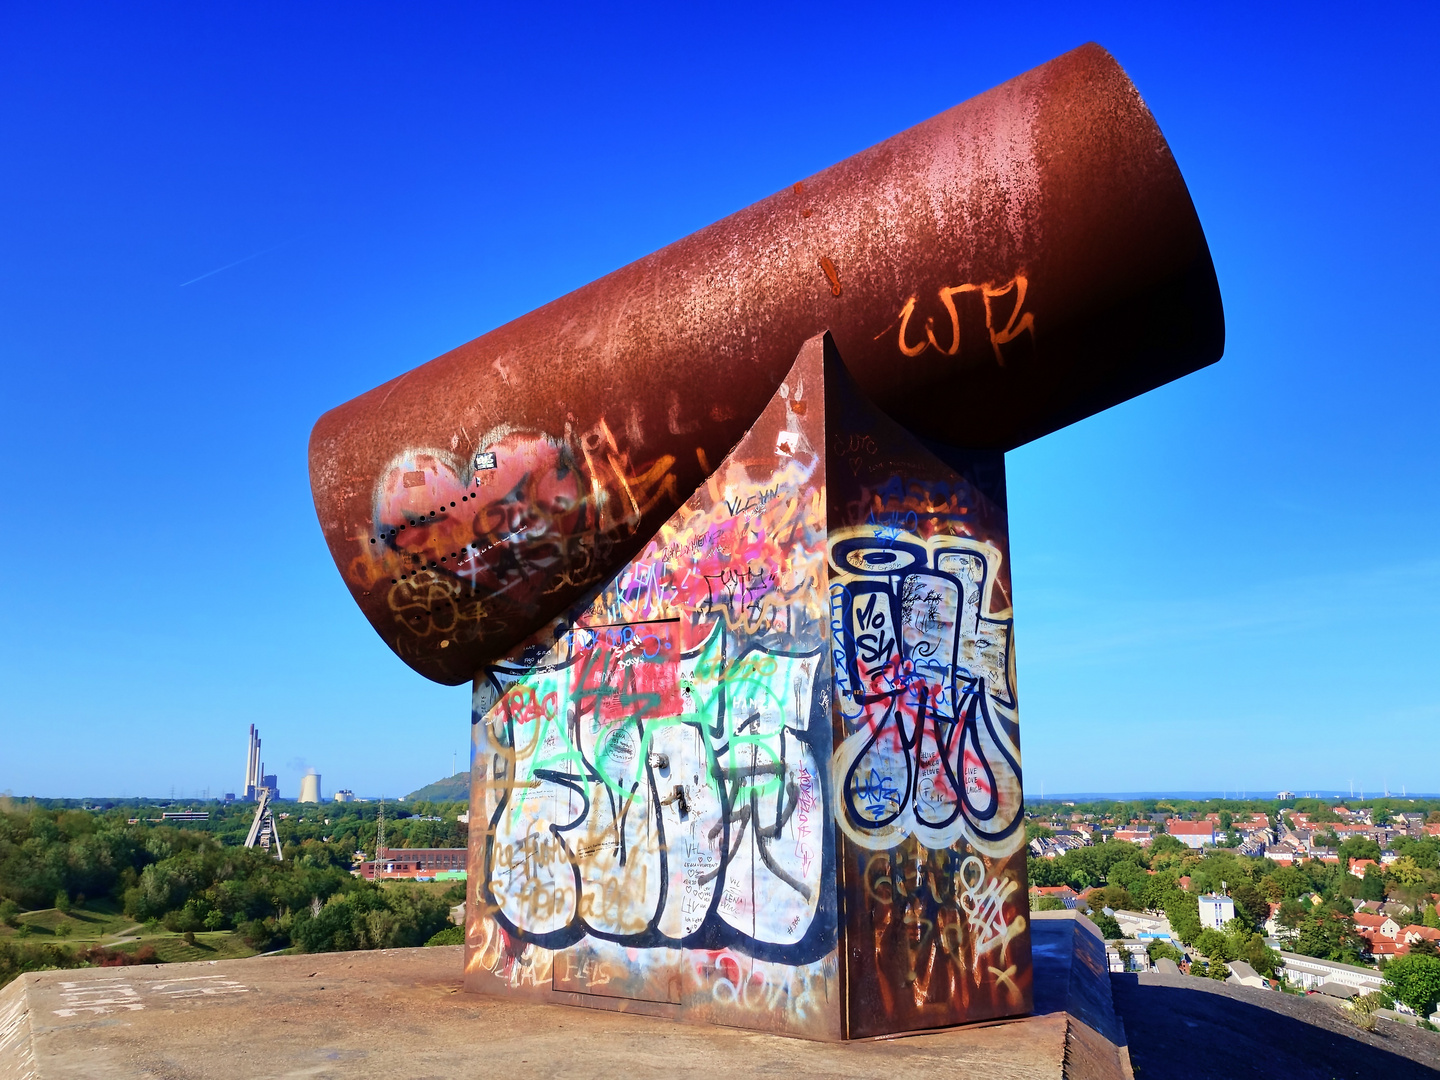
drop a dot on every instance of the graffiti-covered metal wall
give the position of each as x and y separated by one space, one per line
769 776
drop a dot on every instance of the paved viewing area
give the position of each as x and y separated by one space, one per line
401 1013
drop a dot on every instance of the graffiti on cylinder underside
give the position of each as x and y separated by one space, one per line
923 686
462 541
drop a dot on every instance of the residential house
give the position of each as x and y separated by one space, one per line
1127 956
1311 973
1346 830
1390 949
1255 843
1143 927
1272 924
1282 853
1372 926
1048 847
1216 911
1066 895
1142 835
1413 933
1195 834
1245 975
1357 866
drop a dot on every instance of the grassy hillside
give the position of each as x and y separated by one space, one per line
101 925
451 789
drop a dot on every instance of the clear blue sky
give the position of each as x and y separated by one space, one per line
217 222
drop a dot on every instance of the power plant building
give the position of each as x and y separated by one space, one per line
252 766
256 779
310 788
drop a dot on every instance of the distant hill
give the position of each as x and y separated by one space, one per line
451 789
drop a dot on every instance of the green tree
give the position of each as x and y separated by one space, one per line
1217 970
1109 928
1372 886
1250 904
1249 946
1043 873
1329 934
1115 897
1165 844
1290 919
1182 911
1213 945
1158 950
1359 847
1406 872
371 917
1131 877
1423 852
1415 980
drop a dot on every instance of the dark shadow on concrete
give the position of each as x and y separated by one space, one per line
1182 1028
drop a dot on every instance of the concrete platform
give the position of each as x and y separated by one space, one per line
401 1013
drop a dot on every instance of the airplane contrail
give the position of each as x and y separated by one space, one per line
237 262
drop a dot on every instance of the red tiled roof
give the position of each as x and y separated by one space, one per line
1189 828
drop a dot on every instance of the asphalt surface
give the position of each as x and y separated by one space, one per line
1184 1028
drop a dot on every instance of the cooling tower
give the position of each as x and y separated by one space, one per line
310 788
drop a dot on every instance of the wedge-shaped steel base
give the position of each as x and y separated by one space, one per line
769 775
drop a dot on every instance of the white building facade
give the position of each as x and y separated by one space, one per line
1215 911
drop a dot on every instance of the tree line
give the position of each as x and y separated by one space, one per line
193 877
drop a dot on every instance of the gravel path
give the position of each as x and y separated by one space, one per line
1184 1028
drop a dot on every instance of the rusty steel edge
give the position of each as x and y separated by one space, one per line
1018 262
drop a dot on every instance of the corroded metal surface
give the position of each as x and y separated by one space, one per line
1003 269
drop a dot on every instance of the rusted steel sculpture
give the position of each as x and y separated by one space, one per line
745 742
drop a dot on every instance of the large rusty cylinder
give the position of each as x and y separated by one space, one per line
1008 267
